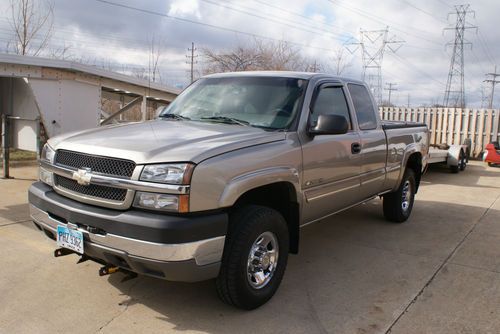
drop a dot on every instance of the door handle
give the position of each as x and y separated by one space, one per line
355 148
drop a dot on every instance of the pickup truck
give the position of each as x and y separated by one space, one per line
221 182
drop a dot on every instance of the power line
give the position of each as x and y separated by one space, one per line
329 25
409 64
485 47
423 11
270 19
213 26
383 21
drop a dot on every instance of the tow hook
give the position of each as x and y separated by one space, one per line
62 252
110 269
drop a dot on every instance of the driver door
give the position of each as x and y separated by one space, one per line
331 162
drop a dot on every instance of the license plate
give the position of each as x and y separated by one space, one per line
70 239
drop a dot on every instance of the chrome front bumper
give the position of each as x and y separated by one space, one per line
203 252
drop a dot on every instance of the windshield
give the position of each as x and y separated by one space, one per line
266 102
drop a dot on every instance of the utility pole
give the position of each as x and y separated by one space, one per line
314 67
390 88
454 95
493 82
408 105
192 61
373 45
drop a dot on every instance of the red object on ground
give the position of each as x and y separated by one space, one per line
492 155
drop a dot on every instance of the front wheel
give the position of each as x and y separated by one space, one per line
398 205
254 258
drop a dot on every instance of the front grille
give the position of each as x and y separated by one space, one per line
98 164
93 190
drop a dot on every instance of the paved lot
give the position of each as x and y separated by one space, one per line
356 273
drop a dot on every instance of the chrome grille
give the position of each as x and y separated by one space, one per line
93 190
98 164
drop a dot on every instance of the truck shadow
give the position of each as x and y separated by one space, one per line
471 177
14 213
353 273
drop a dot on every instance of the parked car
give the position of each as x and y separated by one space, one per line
221 183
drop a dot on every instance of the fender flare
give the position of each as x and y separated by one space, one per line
258 178
454 154
410 149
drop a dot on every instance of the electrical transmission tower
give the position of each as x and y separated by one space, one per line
192 60
373 45
493 82
454 95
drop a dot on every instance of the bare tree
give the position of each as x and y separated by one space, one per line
259 55
340 63
32 23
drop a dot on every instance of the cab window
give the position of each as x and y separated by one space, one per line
330 101
363 106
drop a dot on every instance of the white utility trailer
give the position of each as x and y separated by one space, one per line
455 157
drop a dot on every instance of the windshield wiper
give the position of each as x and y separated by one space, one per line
175 116
227 120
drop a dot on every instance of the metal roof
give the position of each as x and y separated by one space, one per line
6 58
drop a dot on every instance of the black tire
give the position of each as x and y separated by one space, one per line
394 210
463 161
491 164
247 224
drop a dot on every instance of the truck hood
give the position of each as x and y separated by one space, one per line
164 140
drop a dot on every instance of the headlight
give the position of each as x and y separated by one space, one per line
163 202
48 154
168 173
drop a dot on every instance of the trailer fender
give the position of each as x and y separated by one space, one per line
454 154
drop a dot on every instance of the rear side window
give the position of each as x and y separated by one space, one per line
331 101
363 106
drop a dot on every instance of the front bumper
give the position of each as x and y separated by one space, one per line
170 247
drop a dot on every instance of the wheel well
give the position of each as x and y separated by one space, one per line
282 197
414 163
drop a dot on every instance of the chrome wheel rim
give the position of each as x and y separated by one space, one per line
406 197
262 260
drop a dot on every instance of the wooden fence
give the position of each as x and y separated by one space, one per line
452 125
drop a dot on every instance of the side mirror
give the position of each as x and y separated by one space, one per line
329 125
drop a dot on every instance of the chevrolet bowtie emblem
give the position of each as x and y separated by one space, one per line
83 176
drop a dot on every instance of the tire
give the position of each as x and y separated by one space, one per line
463 161
235 284
397 208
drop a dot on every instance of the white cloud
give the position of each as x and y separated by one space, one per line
185 8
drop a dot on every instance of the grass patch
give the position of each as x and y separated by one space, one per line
21 155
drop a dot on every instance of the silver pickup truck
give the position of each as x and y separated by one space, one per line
219 185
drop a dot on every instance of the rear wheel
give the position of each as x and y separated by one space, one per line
255 257
398 205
